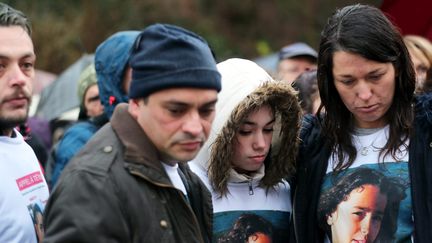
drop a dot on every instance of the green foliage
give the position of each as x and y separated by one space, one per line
64 30
263 48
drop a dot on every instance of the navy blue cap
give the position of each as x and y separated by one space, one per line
167 56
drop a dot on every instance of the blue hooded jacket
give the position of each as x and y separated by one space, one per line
111 61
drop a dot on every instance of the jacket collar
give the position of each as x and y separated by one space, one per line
138 149
236 177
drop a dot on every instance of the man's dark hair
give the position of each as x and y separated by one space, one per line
12 17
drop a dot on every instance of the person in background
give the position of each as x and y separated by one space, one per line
41 128
35 142
244 163
307 86
88 94
113 70
420 50
78 134
369 117
21 179
130 182
113 76
295 59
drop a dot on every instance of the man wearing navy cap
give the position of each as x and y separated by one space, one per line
295 59
131 183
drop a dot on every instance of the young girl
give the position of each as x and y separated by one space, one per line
251 149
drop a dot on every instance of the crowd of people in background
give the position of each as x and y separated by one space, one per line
172 146
112 74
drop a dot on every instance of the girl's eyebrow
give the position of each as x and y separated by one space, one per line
253 123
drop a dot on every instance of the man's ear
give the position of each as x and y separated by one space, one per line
134 107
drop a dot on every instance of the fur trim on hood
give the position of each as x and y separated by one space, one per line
245 88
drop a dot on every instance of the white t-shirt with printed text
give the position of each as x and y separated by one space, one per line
23 189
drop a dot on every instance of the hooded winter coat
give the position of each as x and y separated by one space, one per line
111 60
266 193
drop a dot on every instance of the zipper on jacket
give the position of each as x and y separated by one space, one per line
251 192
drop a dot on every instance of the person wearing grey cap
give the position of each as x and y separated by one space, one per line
295 59
131 183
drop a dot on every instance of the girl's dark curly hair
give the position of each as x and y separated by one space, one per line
245 226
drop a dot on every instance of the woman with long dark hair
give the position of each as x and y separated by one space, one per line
369 117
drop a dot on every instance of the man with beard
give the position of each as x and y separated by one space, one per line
21 180
130 182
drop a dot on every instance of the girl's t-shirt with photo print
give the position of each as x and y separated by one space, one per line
371 200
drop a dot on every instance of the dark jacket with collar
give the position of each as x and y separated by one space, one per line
313 158
116 190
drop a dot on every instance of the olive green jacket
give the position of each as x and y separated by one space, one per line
116 190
